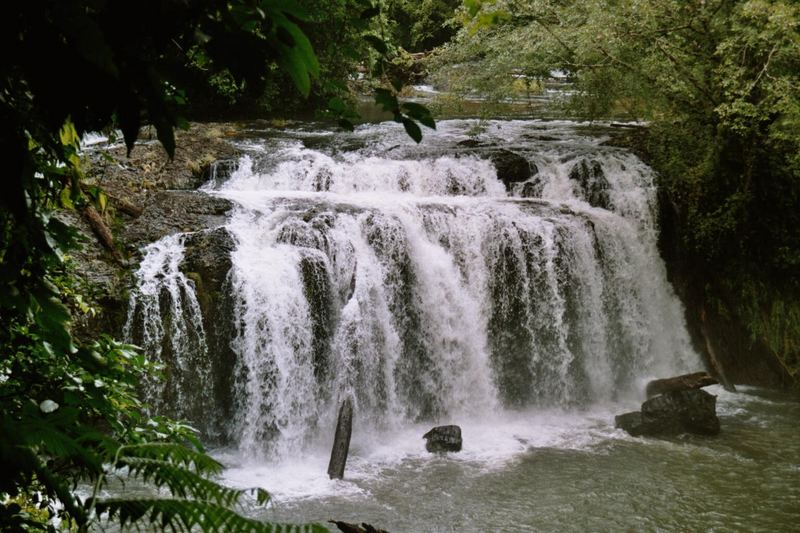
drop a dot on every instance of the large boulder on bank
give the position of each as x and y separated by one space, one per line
695 380
672 413
443 439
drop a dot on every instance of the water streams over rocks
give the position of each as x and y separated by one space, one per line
414 278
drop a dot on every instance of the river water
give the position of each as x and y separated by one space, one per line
412 279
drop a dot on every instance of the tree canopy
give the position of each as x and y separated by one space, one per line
718 82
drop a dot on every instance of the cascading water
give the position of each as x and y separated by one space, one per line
164 317
412 279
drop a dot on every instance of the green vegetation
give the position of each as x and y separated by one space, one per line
719 83
71 414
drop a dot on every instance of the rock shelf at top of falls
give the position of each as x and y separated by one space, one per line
413 279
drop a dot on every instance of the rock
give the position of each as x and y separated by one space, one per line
218 172
511 167
672 413
632 423
470 143
592 182
209 254
207 262
692 411
346 527
169 212
532 188
684 382
443 439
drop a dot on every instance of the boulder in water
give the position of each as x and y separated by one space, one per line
684 382
672 413
511 167
443 439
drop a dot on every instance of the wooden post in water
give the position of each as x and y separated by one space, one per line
341 441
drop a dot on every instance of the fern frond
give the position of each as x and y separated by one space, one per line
176 454
184 483
185 515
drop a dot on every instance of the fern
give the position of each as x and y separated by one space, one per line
186 515
184 483
196 502
176 454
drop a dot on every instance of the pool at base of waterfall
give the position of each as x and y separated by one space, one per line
552 471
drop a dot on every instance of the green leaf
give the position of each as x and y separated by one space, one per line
337 104
412 129
297 58
68 134
187 515
377 43
370 12
420 113
386 99
181 482
166 135
174 453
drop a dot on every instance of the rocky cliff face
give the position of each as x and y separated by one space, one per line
164 192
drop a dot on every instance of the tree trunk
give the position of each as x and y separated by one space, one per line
102 231
341 442
716 367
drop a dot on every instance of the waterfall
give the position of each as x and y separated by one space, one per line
413 279
164 317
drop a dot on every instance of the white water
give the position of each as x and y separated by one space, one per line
164 317
408 278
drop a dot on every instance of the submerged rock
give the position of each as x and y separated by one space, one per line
672 413
347 527
443 439
684 382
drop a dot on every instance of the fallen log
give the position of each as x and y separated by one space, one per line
120 204
341 441
696 380
102 231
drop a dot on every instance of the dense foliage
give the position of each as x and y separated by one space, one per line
71 414
719 83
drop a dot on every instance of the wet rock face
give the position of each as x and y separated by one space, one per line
218 172
168 212
673 413
592 182
207 262
443 439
